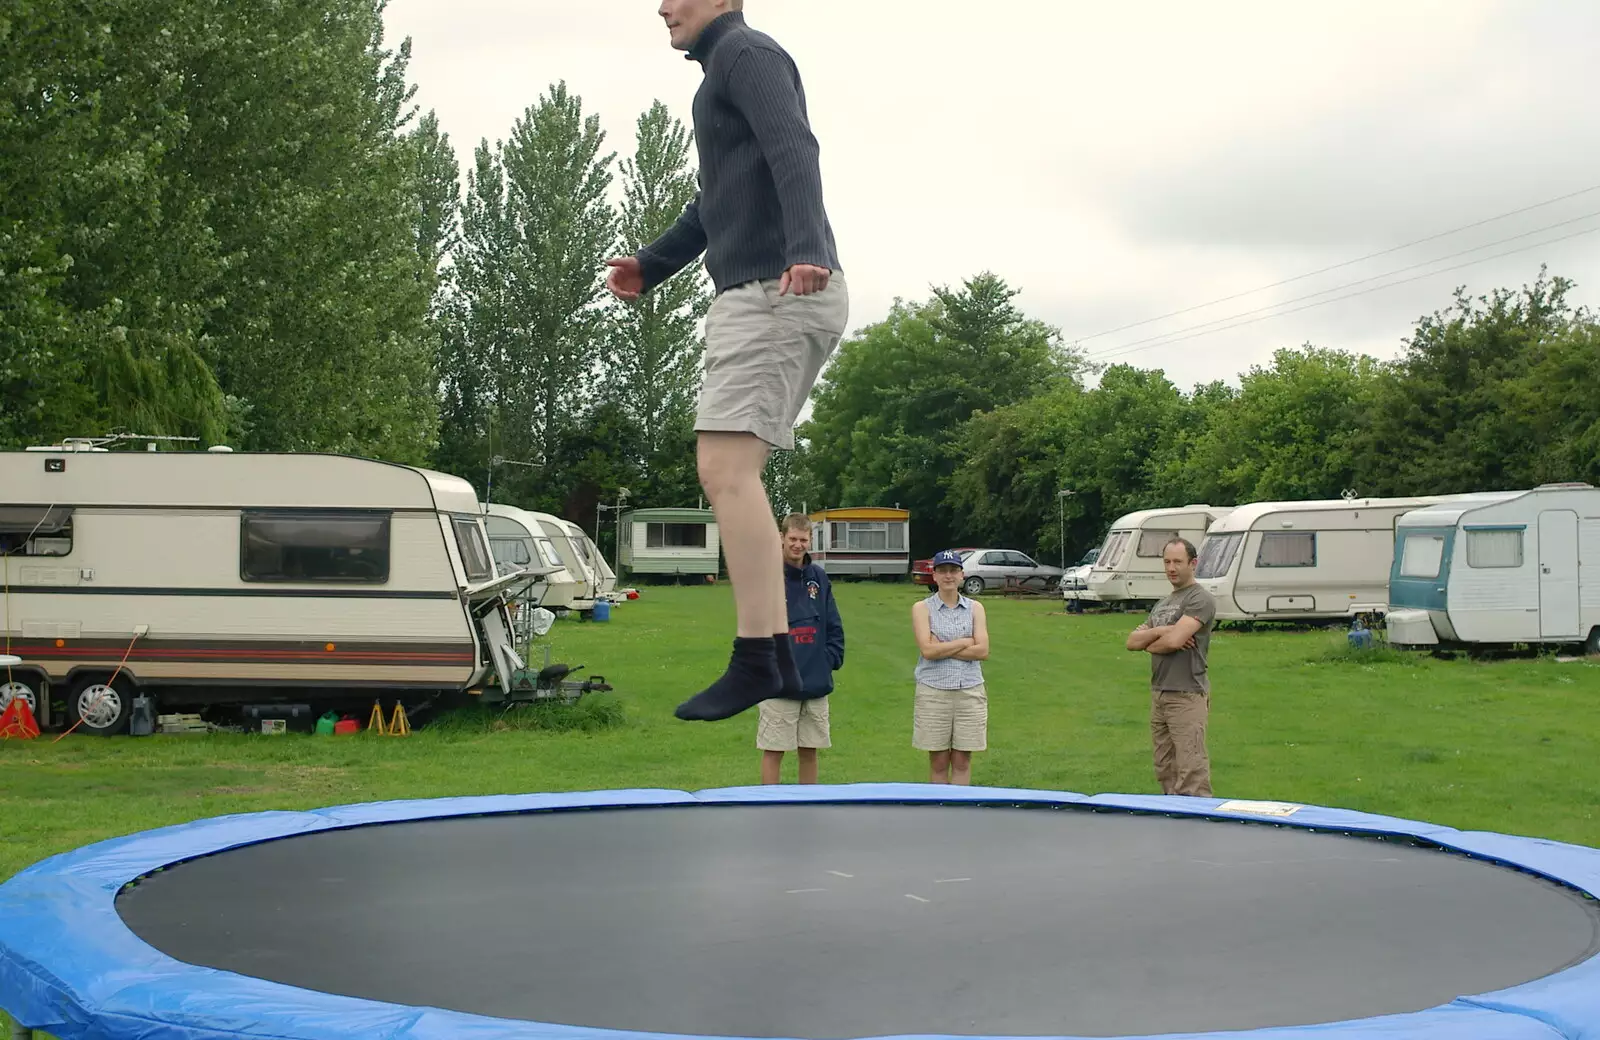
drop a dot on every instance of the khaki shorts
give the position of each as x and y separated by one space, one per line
950 720
785 725
763 355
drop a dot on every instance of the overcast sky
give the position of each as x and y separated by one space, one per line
1118 161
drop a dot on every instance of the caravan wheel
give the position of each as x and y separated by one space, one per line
14 689
102 707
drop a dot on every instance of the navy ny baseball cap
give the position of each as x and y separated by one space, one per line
945 556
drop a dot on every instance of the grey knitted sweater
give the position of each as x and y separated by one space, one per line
759 210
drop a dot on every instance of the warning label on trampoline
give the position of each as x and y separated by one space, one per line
1260 808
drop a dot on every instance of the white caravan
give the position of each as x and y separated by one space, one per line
519 542
573 545
212 577
1499 568
607 576
1303 561
1128 572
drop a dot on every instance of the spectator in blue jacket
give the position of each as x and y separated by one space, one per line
816 636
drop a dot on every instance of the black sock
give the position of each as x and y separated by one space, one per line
792 687
751 678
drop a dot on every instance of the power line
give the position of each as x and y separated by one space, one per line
1347 285
1363 292
1347 263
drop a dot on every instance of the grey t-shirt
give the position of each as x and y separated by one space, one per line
1184 669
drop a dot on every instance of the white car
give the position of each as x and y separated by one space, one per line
1005 568
1076 578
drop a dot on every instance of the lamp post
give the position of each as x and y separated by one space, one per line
616 550
1061 499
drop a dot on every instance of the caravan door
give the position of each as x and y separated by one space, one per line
1558 574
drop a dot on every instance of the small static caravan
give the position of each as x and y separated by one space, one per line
679 542
519 542
1128 571
862 541
1498 569
1303 561
206 578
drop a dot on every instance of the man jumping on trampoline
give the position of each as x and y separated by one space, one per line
780 310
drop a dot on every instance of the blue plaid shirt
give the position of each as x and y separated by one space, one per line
949 623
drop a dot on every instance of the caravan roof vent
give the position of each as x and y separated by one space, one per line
220 449
1564 484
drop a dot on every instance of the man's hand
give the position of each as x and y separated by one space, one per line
625 279
804 279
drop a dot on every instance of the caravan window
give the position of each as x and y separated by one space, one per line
35 531
1421 555
314 546
1153 543
675 536
1112 555
1216 555
1501 548
475 558
868 536
513 553
1287 549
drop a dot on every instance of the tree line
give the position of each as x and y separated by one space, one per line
975 417
231 222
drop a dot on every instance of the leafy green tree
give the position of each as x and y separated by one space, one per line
1443 419
653 367
323 331
537 227
1560 395
1291 432
889 409
101 250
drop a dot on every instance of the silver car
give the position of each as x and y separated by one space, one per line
1005 568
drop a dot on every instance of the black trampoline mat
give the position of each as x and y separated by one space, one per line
830 921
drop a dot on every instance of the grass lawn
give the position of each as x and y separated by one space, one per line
1504 746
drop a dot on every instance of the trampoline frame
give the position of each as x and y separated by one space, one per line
71 967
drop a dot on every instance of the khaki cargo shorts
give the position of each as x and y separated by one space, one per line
763 355
785 725
950 720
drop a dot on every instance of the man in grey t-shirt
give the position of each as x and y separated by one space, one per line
1177 636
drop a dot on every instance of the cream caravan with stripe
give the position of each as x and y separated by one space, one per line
206 577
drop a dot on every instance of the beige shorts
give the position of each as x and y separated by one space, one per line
950 720
763 355
785 725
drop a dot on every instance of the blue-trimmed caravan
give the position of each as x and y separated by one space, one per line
1499 569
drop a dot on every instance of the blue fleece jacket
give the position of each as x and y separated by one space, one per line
815 632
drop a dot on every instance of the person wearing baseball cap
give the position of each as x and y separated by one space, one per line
950 713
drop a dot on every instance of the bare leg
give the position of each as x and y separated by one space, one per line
961 767
938 767
808 765
772 766
730 472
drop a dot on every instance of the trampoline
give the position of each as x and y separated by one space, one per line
883 910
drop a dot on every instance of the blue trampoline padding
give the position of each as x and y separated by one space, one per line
69 966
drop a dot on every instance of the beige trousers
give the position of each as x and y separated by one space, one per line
1178 733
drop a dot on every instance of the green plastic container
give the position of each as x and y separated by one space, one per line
326 723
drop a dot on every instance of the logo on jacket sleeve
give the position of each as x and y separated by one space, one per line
813 587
